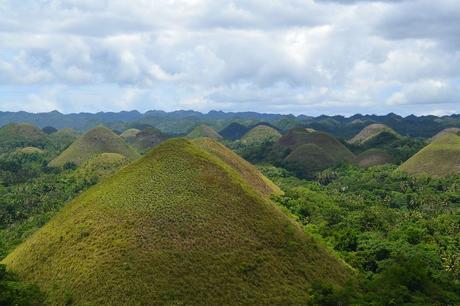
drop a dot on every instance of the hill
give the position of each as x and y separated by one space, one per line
14 136
203 130
30 150
178 226
129 135
372 131
374 157
306 151
250 173
260 134
234 131
102 165
148 139
438 159
94 142
445 131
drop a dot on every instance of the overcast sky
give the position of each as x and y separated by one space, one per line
279 56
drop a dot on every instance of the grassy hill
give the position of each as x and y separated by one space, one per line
30 150
94 142
14 136
178 226
445 131
259 134
438 159
203 130
374 157
130 134
147 139
250 173
372 131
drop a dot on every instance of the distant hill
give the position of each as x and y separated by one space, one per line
129 135
63 138
372 131
14 136
102 165
260 134
148 139
204 130
307 151
94 142
234 131
374 157
178 226
438 159
445 131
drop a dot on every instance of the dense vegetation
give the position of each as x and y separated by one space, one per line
402 234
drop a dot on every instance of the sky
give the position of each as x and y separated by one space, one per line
279 56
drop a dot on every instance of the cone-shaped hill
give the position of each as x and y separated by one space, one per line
260 134
148 138
130 134
94 142
178 226
374 131
204 130
438 159
446 131
14 136
250 173
308 151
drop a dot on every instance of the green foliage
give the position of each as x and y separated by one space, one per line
204 130
402 234
15 293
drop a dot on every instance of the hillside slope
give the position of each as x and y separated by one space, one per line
260 134
445 131
438 159
22 135
94 142
371 131
178 226
148 139
204 130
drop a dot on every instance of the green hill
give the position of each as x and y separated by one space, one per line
374 157
176 227
130 134
373 131
260 134
102 165
14 136
63 138
203 130
306 151
234 131
147 139
438 159
30 150
445 131
94 142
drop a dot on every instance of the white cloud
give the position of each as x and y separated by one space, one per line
290 56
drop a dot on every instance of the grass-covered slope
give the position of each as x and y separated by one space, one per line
438 159
446 131
309 158
371 131
176 227
374 157
130 134
94 142
204 130
14 136
260 134
148 139
250 173
102 165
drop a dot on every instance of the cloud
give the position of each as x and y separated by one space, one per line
297 56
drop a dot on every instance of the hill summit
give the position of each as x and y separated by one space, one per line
179 226
372 131
438 159
260 134
204 130
94 142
